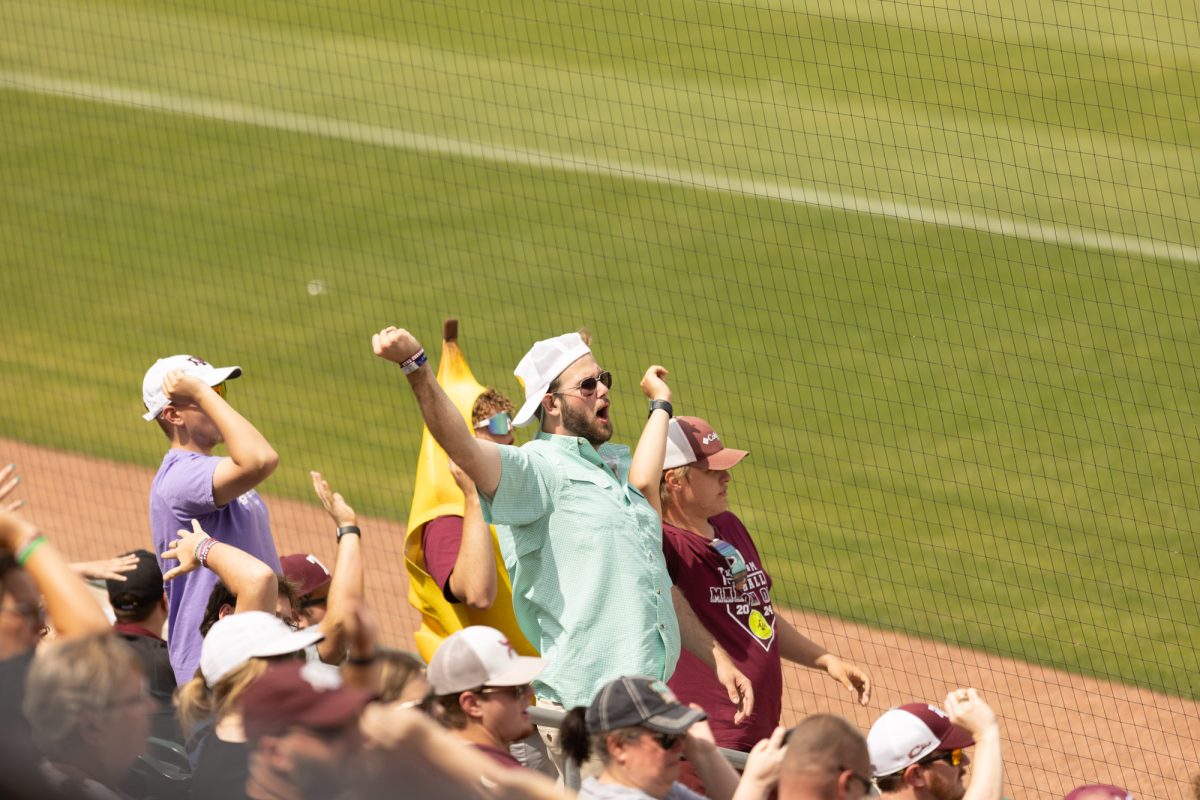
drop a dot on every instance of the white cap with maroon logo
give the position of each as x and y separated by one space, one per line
905 735
479 656
691 440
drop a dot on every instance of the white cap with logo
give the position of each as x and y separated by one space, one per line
152 393
544 362
479 656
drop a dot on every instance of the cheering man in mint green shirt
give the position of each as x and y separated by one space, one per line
582 546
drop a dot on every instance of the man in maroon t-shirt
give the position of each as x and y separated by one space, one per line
714 562
459 553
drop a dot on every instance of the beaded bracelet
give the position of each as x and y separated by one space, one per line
206 546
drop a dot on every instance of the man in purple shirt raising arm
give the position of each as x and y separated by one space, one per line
186 397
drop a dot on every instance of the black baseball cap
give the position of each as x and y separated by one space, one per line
142 587
637 701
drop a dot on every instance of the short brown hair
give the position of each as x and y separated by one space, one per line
489 403
664 495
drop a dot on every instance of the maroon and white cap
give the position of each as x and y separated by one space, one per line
479 656
1099 791
306 571
691 440
905 735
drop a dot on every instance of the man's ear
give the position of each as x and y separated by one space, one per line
90 732
469 703
915 777
549 404
224 611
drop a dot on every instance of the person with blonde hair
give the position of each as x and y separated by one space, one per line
234 654
87 702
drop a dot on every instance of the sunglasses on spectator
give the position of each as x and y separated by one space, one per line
733 557
515 692
666 740
954 757
588 385
220 389
497 424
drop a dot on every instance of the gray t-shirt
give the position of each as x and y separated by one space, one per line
593 789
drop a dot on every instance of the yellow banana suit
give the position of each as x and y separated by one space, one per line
435 494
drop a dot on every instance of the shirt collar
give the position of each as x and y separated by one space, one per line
605 457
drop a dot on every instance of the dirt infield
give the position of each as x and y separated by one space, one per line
1059 729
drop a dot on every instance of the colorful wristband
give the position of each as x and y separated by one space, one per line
207 545
29 549
411 365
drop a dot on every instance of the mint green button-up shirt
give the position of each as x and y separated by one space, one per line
584 551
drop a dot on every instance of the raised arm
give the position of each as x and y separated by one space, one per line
473 580
967 710
798 648
251 458
645 472
69 603
478 458
251 581
346 588
700 643
700 747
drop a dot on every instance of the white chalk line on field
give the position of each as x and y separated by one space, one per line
395 138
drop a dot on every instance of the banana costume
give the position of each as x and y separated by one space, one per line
435 494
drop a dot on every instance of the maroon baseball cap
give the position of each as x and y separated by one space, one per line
691 440
292 694
306 571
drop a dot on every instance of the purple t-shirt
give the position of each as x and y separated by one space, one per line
743 622
183 491
440 541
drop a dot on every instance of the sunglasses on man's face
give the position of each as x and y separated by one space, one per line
587 386
220 389
953 757
497 424
515 692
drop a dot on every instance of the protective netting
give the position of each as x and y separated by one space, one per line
934 264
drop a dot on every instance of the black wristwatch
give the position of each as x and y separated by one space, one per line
665 405
344 529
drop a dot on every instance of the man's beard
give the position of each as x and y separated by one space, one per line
577 424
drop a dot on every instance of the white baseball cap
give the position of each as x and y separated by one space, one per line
152 393
479 656
234 640
905 735
544 362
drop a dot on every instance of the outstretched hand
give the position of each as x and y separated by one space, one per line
462 479
335 505
852 676
183 550
8 484
654 384
395 344
108 569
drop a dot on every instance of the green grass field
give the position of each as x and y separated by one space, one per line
985 439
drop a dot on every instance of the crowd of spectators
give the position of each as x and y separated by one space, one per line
645 642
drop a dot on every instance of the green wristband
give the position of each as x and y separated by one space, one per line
29 549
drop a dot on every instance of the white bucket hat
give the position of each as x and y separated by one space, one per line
544 362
